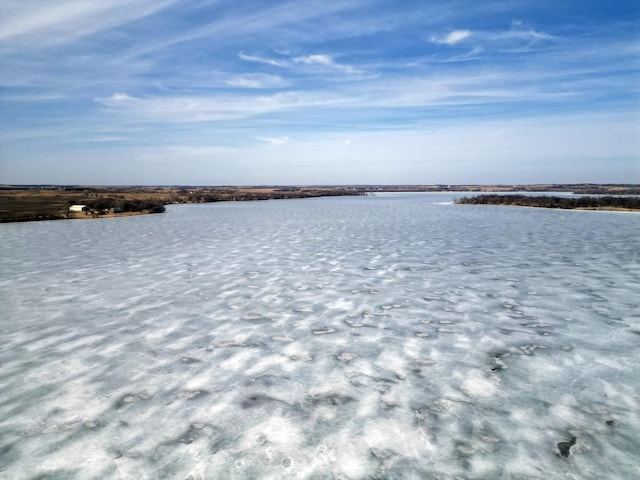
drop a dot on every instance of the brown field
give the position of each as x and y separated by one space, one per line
28 203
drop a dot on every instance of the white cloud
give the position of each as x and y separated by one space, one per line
521 34
480 88
258 59
256 80
452 38
116 99
325 61
267 22
181 109
275 141
516 38
513 37
53 21
314 59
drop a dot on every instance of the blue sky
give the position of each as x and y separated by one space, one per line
207 92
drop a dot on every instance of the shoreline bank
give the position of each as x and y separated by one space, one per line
585 203
39 203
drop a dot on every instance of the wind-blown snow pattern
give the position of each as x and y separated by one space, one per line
390 336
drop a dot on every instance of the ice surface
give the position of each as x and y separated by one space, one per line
393 336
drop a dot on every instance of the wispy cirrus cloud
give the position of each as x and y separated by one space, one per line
518 37
217 72
258 20
520 30
256 80
181 109
266 60
317 62
275 141
54 21
325 61
451 38
375 98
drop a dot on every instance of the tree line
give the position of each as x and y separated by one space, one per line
605 201
124 205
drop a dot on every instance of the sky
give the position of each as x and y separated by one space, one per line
220 92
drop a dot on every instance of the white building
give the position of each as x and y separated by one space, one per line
78 208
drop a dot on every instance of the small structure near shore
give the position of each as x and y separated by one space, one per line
78 208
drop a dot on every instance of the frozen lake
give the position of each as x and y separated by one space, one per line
393 336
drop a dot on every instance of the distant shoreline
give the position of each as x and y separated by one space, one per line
36 203
21 203
605 203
